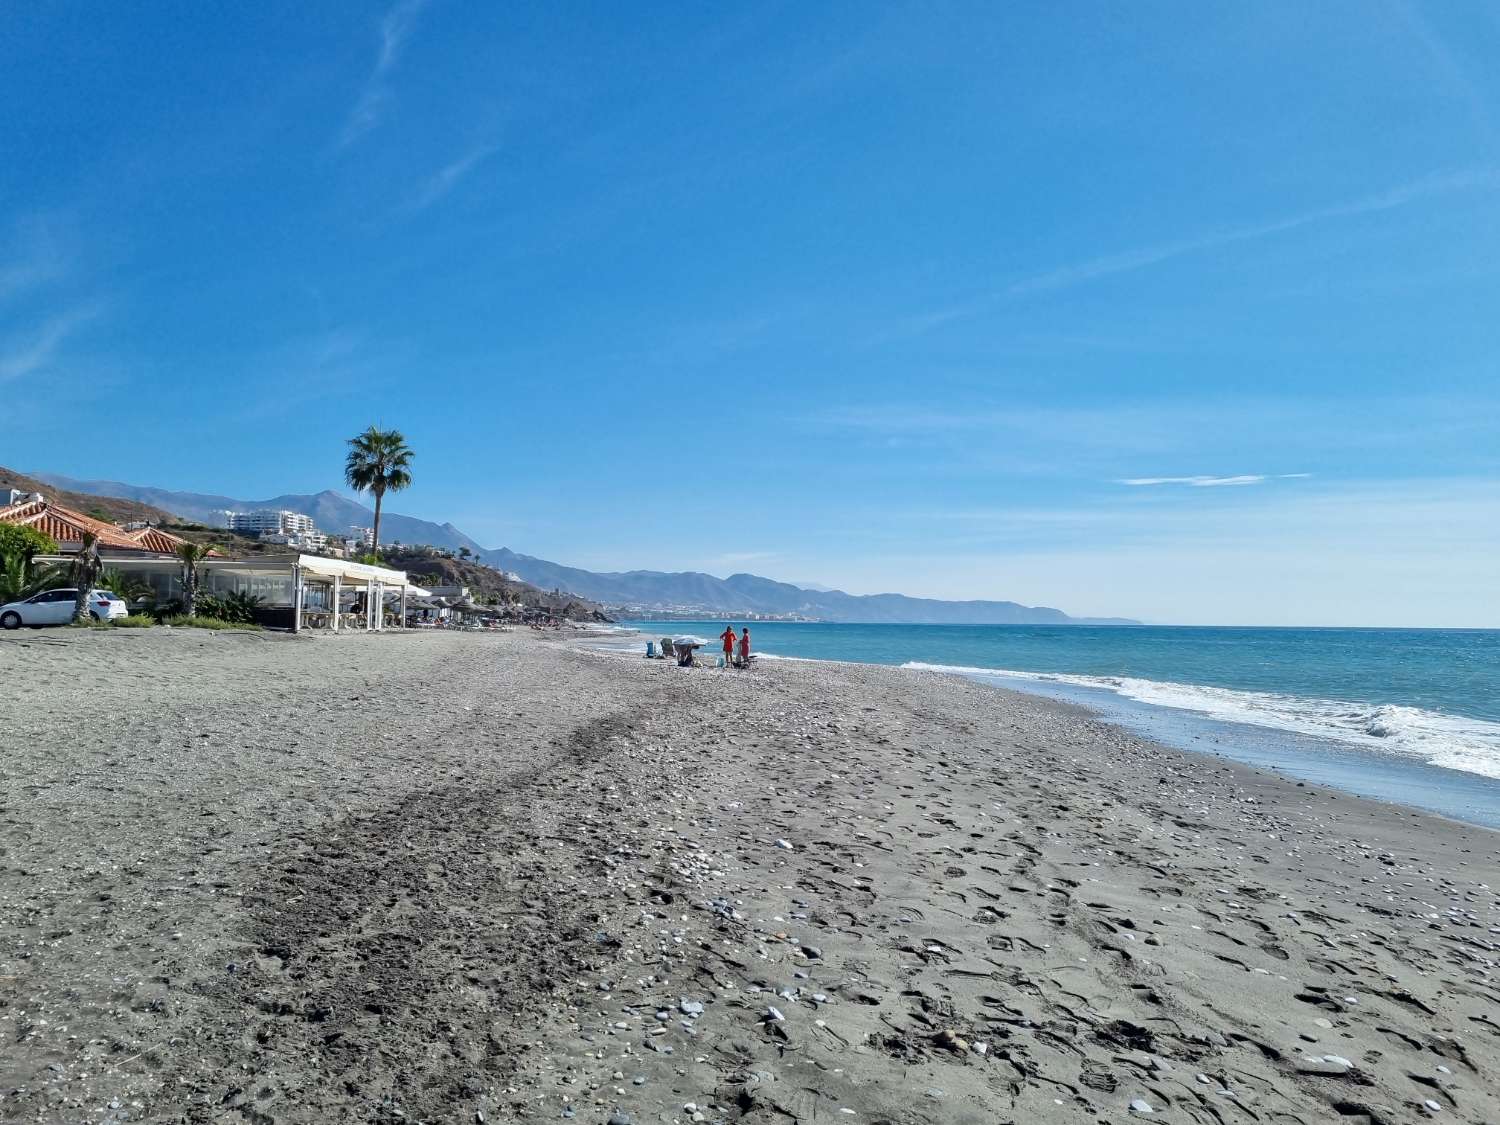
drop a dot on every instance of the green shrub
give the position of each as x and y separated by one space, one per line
239 606
210 605
201 622
26 541
129 587
135 621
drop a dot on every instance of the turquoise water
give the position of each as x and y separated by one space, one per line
1401 714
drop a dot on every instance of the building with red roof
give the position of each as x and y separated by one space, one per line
68 527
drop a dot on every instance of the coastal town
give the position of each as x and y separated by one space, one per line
261 568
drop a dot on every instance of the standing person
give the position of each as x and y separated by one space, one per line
727 636
745 648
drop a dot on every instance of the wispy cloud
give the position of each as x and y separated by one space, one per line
35 259
395 28
35 352
1450 66
18 276
313 367
1143 426
1110 265
1212 482
441 182
1444 183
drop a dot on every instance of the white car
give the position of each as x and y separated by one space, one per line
55 607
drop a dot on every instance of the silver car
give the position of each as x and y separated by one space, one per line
55 607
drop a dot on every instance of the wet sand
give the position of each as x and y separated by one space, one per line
455 878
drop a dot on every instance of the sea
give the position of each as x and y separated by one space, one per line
1403 715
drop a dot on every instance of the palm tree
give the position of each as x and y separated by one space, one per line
20 578
14 577
86 568
379 461
191 555
130 587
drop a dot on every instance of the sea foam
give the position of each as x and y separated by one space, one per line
1454 742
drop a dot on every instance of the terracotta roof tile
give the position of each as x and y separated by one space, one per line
155 539
67 526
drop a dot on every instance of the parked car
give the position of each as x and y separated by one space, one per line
55 607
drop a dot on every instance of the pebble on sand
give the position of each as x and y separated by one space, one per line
951 1040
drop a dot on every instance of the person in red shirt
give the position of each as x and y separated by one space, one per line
745 648
727 636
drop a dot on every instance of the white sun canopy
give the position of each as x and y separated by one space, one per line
379 583
358 574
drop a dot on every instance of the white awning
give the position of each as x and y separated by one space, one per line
411 592
361 573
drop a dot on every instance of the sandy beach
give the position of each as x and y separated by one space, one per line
460 878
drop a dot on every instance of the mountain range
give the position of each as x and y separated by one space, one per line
639 593
330 511
646 592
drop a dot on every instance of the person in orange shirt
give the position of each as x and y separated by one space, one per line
745 648
727 636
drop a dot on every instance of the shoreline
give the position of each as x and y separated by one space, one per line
1091 710
436 876
1362 768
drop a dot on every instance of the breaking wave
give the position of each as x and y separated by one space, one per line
1452 741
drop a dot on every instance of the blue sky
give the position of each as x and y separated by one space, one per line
1184 312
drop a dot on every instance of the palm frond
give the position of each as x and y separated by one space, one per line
378 461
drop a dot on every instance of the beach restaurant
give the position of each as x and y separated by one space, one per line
295 591
300 591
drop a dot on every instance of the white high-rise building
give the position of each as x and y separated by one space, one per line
273 522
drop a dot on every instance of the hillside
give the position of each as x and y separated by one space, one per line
651 592
111 508
488 584
331 511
